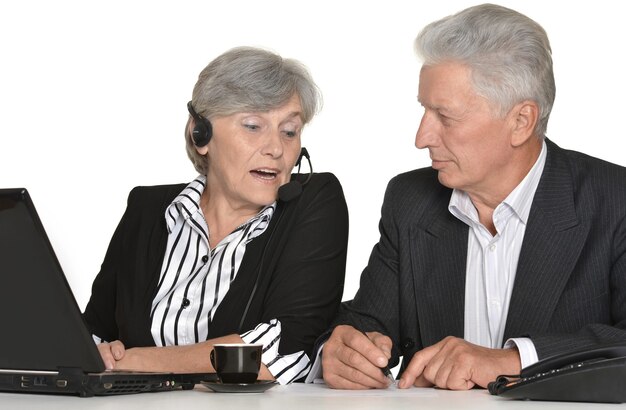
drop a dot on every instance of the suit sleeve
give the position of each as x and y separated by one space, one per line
375 306
614 329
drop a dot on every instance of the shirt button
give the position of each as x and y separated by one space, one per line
205 258
492 247
186 303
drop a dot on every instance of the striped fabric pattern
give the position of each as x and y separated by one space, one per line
195 279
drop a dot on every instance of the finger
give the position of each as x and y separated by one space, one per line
383 342
353 366
459 383
453 375
421 381
438 373
107 356
338 382
360 342
451 368
343 359
416 366
117 350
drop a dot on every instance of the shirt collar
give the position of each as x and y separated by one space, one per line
187 204
519 200
522 196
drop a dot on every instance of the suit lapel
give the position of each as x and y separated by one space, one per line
553 240
438 255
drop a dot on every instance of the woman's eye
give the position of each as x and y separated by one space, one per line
291 133
251 126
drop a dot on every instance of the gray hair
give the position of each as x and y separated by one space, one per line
509 56
249 79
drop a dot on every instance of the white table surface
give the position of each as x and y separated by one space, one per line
295 396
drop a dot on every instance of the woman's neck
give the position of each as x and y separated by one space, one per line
223 216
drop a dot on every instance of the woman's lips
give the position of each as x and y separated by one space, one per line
265 173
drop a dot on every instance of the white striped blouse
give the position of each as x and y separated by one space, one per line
195 279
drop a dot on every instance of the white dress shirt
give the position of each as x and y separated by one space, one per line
492 263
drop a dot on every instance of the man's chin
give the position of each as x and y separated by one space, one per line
445 180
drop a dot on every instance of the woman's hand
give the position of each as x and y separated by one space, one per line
111 353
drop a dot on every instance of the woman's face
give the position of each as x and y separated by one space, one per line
251 154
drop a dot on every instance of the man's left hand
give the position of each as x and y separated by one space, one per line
456 364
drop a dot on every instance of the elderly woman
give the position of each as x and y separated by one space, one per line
224 259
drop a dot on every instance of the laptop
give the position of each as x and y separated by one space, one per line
44 343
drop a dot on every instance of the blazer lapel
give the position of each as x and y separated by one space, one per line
438 255
553 240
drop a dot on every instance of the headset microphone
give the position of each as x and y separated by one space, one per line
286 193
293 189
202 129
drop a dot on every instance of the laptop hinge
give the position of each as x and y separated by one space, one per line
71 371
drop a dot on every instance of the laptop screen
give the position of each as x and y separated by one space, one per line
42 326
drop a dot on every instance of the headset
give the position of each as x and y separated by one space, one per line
202 129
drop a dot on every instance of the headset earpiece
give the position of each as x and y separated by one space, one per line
202 130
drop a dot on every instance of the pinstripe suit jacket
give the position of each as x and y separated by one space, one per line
570 286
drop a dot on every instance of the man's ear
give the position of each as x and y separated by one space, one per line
524 117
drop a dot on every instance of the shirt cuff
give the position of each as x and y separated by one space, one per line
526 348
316 374
285 368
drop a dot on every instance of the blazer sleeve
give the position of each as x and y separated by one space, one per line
593 332
122 292
100 310
375 306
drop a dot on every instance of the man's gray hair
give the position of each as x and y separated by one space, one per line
509 56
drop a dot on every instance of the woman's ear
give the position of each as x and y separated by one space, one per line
190 126
524 119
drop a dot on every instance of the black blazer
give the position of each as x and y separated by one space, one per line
301 269
570 285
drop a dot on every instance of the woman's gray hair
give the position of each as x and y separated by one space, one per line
509 56
247 79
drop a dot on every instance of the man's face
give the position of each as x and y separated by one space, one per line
468 145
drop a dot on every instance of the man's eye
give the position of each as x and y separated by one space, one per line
444 120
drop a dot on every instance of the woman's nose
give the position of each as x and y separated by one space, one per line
274 144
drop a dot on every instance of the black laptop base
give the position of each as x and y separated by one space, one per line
75 382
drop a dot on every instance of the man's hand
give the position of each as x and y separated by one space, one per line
111 353
352 360
456 364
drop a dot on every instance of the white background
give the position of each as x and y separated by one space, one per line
93 95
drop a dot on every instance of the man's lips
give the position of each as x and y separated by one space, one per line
437 163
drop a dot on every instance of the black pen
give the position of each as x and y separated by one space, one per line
386 371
